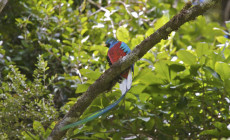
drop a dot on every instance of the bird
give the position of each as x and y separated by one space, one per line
117 50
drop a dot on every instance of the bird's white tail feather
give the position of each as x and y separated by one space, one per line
126 84
123 86
129 80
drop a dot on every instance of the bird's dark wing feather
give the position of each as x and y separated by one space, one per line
110 63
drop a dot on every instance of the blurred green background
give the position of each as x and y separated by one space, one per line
51 51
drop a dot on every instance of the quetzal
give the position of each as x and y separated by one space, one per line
117 50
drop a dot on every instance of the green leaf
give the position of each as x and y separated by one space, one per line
149 125
202 49
117 136
220 131
148 77
49 130
162 70
136 40
223 69
137 89
122 34
160 22
83 5
177 67
149 32
214 73
227 85
213 132
143 97
220 126
93 75
221 39
29 136
186 57
37 126
81 88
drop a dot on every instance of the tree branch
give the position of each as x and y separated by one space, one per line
104 82
2 4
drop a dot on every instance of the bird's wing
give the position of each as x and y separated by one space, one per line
115 52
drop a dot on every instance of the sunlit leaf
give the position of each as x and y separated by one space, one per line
147 76
160 22
136 40
144 97
149 32
221 39
223 69
81 88
37 126
202 49
122 34
90 74
162 70
29 136
186 57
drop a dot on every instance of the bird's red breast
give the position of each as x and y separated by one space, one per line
115 53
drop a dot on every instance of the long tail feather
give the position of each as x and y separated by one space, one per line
129 80
94 115
123 86
126 84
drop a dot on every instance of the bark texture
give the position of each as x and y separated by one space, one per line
2 4
104 82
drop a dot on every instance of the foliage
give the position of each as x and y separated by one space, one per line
180 88
25 105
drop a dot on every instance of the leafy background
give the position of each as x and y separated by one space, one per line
51 51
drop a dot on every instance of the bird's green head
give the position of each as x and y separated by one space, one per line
110 41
